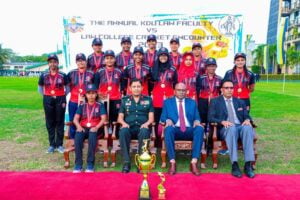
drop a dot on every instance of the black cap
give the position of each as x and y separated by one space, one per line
210 61
52 56
196 44
109 53
91 87
237 55
151 37
125 39
163 50
80 56
138 49
174 39
97 41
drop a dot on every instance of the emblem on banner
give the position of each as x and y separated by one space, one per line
73 25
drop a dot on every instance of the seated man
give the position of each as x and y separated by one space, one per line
182 120
233 120
135 115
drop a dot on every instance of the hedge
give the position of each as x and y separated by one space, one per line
278 77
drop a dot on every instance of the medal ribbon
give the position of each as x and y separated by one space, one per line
108 78
150 57
89 113
211 85
239 78
125 61
53 81
97 62
80 79
138 72
164 76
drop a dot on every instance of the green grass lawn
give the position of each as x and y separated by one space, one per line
23 136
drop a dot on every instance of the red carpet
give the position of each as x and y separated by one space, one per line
115 185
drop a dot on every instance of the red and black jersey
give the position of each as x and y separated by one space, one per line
241 83
53 85
95 62
190 83
131 72
108 82
123 60
163 87
149 58
175 60
78 82
208 88
200 66
95 110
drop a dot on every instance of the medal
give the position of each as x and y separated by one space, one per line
88 124
162 85
163 79
80 82
239 90
109 88
53 83
109 79
240 81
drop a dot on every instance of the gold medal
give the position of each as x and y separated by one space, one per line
88 124
80 90
52 92
239 90
162 85
109 88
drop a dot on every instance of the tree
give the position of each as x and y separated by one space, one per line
258 54
5 55
273 57
293 57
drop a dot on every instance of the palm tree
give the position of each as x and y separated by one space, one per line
5 55
273 57
258 54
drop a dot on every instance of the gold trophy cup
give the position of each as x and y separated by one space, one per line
144 162
160 187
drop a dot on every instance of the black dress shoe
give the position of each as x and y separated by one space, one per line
126 168
235 171
249 170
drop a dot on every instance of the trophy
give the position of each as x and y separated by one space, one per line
144 162
160 187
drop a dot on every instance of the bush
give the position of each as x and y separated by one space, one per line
279 77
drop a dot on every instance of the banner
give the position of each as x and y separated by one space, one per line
219 34
280 40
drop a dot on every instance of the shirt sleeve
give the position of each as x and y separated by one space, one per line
66 80
151 109
102 109
252 79
79 110
41 79
122 107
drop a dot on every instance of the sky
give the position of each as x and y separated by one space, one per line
35 26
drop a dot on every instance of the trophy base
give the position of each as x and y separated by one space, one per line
144 194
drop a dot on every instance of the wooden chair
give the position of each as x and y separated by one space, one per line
183 145
221 145
134 144
70 146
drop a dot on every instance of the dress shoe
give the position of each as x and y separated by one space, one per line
249 170
172 168
126 168
194 169
235 171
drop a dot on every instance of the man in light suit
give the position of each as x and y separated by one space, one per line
182 122
233 122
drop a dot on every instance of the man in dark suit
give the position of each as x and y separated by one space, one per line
182 122
233 122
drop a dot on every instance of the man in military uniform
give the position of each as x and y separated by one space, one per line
135 115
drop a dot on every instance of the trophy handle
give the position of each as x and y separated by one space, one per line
136 160
153 159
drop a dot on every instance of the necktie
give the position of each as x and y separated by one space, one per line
230 111
181 117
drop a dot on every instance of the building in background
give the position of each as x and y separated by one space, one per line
290 9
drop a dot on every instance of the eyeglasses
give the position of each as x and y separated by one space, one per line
227 88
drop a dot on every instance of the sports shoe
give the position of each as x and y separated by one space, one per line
61 149
77 169
90 168
50 149
223 152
